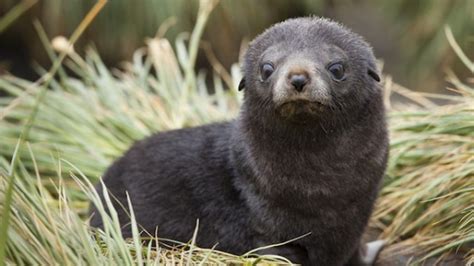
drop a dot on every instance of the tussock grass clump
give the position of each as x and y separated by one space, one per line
427 204
89 117
426 207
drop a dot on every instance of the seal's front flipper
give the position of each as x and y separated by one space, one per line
366 254
372 251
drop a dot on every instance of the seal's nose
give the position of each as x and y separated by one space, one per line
298 81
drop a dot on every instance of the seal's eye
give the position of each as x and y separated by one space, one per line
266 71
337 71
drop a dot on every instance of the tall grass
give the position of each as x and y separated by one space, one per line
89 117
427 204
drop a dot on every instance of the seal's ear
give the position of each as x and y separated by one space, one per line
373 74
242 84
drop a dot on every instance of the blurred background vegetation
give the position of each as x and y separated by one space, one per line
407 35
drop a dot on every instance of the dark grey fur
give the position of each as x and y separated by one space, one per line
284 168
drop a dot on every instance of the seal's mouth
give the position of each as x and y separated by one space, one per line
300 110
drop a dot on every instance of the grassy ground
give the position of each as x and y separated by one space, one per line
87 116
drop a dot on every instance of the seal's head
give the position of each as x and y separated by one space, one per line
309 69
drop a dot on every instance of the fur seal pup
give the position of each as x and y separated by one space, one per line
306 154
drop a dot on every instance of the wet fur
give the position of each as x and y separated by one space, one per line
262 179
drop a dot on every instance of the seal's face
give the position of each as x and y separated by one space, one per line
305 69
301 82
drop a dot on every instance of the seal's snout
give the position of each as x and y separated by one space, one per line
298 81
300 92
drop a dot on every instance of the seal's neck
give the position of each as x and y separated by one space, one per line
265 128
260 124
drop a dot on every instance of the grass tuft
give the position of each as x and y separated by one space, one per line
426 206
